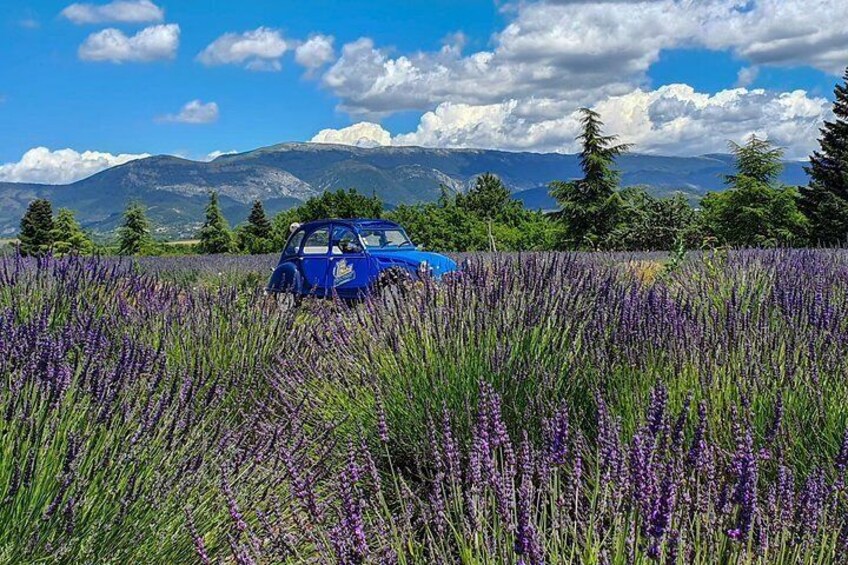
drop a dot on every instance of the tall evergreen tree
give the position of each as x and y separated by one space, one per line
36 227
489 199
590 207
825 200
258 222
215 235
256 236
67 235
756 210
134 234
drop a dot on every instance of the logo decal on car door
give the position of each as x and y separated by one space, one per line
343 273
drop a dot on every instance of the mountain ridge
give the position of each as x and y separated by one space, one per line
175 189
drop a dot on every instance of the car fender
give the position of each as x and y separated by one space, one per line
438 265
286 278
386 263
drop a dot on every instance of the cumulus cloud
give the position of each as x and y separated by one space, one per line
194 112
41 165
258 50
363 134
315 52
675 119
150 44
123 11
554 56
585 51
671 120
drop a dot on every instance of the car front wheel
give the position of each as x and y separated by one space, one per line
394 280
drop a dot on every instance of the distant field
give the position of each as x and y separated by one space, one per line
183 242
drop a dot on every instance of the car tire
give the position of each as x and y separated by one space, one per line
286 300
394 280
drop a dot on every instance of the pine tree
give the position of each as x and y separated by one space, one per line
215 235
590 207
258 222
67 235
756 210
36 227
256 236
825 201
134 234
489 200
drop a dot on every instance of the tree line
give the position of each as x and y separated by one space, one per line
595 212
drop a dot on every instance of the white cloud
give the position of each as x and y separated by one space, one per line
363 134
746 76
555 56
215 154
677 120
584 51
258 50
672 120
315 52
194 112
150 44
123 11
41 165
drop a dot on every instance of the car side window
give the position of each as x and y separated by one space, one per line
294 243
318 242
345 241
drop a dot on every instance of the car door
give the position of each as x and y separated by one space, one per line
348 274
315 256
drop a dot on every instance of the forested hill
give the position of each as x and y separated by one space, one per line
175 190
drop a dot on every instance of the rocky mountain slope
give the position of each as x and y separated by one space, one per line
175 190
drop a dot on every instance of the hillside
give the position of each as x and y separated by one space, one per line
175 190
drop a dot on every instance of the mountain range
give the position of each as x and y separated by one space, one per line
175 190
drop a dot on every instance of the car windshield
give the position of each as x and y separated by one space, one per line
385 238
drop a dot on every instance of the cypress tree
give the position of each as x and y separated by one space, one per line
36 228
825 201
215 235
134 234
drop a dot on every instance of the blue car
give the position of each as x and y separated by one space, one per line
352 258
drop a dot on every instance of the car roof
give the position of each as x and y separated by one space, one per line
360 223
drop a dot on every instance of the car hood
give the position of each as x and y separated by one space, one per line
439 263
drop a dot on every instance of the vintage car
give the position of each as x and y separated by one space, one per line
352 258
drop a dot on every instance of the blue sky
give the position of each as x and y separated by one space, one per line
133 77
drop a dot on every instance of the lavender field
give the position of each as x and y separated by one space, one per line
548 408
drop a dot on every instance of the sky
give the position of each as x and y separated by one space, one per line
85 86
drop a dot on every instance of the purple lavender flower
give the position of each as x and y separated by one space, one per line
526 538
556 437
745 472
196 538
